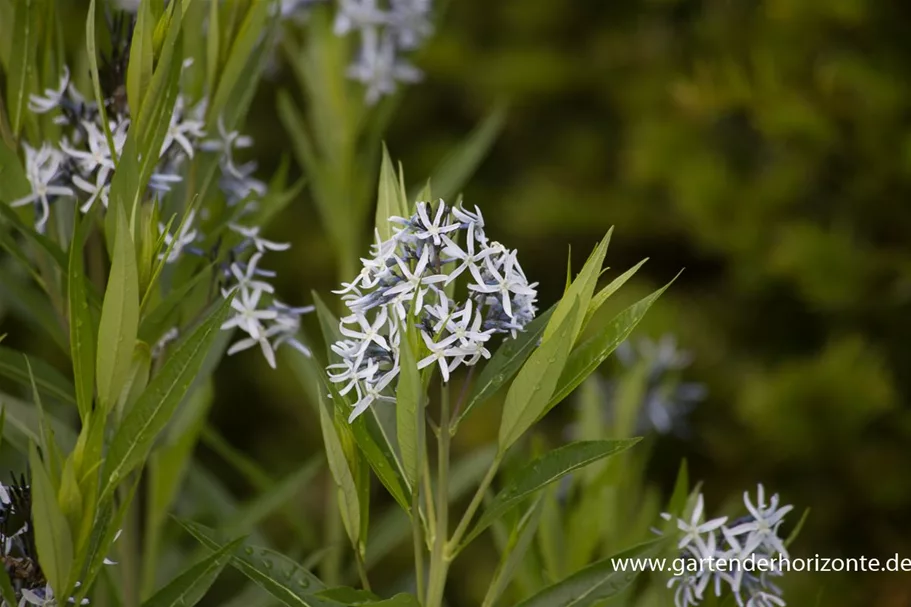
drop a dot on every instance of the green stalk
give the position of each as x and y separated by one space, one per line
439 559
453 546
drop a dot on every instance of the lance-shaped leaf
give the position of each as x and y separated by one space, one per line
602 296
22 60
543 471
389 200
156 405
533 386
278 575
597 582
119 322
341 472
48 380
409 409
505 362
188 588
142 57
589 355
581 289
53 537
82 327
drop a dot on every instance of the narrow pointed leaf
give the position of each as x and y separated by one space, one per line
82 328
278 575
48 380
22 61
53 538
191 586
119 322
544 470
156 405
534 384
581 288
589 355
602 296
597 582
505 362
409 410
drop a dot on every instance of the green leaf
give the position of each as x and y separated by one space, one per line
53 538
581 288
456 169
139 70
505 362
597 582
280 576
589 355
341 472
191 586
6 588
602 295
156 405
241 51
389 202
409 409
22 61
48 380
43 242
514 554
533 386
544 470
82 326
92 53
119 322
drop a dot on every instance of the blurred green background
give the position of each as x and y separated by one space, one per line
765 147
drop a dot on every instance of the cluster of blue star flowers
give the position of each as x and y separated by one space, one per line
409 278
384 34
752 538
81 168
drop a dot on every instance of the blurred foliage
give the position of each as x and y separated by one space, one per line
765 147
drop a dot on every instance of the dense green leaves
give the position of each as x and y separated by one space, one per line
544 470
139 71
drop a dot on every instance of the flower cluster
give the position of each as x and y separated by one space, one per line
82 165
753 537
409 279
667 400
384 33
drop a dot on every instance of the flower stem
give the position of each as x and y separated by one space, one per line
439 560
475 502
417 532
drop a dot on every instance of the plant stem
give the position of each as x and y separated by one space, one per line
361 569
439 560
417 534
475 502
462 396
